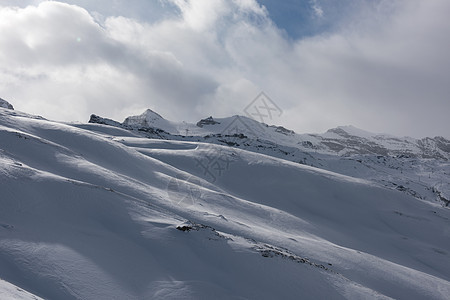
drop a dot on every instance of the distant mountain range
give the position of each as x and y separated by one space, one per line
343 140
419 167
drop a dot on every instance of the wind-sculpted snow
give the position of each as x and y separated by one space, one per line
90 212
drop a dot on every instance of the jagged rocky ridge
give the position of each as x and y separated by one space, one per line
207 121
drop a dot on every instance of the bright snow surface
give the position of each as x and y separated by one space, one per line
86 215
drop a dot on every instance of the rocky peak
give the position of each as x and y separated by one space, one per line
283 130
148 118
5 104
99 120
151 114
207 121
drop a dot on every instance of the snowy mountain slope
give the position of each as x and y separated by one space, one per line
417 167
92 215
12 292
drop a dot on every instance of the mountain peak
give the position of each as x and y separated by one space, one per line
350 130
152 114
5 104
147 119
151 119
207 121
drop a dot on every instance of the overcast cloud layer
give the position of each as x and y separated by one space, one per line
381 65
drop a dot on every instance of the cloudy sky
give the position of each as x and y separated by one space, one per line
381 65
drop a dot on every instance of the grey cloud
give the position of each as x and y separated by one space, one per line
59 49
384 69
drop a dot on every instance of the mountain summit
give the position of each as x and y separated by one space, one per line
148 118
151 119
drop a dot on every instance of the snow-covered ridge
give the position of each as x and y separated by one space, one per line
347 140
343 140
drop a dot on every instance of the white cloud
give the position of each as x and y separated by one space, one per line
386 69
318 11
201 14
